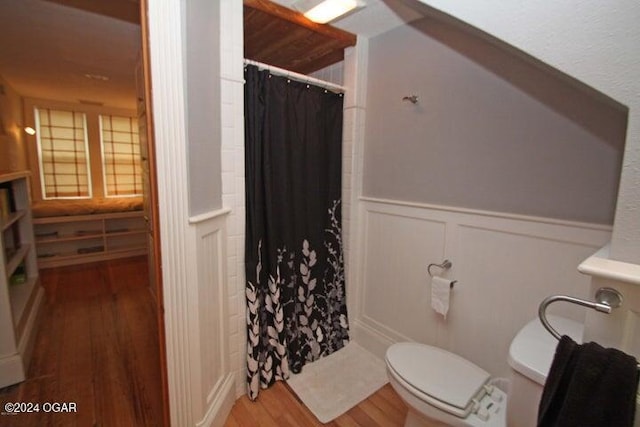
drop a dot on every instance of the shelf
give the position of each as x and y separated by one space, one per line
17 258
63 259
120 234
68 255
13 217
125 233
122 249
69 238
20 303
19 296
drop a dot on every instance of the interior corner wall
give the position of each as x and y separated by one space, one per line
474 139
12 138
233 188
203 104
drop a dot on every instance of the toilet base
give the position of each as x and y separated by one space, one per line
415 419
524 399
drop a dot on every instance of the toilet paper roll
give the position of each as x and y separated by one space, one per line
440 292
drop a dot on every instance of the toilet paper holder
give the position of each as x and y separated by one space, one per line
446 264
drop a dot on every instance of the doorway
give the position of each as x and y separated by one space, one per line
82 54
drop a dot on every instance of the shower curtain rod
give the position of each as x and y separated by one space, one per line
297 76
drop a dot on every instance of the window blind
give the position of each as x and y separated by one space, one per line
122 168
63 154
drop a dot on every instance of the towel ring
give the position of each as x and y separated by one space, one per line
446 264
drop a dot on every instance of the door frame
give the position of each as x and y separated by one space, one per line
154 222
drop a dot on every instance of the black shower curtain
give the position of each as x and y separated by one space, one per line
295 290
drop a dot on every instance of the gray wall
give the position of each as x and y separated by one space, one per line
203 104
492 130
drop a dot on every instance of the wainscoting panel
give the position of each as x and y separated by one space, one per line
504 264
211 375
398 249
210 289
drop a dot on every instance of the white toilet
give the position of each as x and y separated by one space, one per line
439 386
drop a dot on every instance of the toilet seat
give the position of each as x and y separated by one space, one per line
438 377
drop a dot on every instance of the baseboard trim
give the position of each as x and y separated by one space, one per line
220 406
371 338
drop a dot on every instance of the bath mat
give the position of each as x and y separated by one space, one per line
331 386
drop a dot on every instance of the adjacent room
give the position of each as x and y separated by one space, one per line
80 323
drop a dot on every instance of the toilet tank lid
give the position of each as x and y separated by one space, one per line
533 348
440 374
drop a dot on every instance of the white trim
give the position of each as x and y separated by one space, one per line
297 76
494 214
600 265
371 337
193 256
178 271
221 405
104 172
232 79
196 219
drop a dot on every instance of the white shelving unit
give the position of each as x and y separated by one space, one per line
19 302
77 239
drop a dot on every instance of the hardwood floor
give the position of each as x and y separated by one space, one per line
279 406
97 346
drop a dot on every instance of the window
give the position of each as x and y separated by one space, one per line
121 165
63 154
83 151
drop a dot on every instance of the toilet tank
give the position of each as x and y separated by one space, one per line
530 357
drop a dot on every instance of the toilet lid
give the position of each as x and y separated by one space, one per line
436 372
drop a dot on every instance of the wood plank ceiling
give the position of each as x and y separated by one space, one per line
279 36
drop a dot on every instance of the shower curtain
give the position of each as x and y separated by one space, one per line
295 279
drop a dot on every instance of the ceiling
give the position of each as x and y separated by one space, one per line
86 50
47 49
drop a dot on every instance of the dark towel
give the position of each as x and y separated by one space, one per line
589 386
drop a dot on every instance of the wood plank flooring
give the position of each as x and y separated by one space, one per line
279 406
97 346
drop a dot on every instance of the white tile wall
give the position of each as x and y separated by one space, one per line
355 79
232 97
333 73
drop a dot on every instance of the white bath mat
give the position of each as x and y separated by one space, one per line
331 386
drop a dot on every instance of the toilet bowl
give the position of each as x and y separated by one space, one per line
439 386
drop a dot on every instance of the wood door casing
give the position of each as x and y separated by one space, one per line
151 200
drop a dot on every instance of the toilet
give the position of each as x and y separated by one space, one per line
442 388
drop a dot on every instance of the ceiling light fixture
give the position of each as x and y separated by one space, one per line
323 11
30 130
